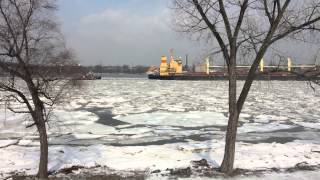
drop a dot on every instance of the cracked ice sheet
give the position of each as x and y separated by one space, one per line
198 119
312 125
4 143
79 122
14 125
268 118
189 119
258 127
264 104
248 156
74 117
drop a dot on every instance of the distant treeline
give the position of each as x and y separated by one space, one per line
86 69
46 70
118 69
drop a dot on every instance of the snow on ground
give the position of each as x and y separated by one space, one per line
303 175
257 156
139 124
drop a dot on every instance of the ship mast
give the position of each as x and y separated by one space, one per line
171 54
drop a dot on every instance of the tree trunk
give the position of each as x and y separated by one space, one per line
228 160
229 153
40 122
43 164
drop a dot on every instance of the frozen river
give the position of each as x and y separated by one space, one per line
142 124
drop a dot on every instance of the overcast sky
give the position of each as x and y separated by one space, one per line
135 32
117 32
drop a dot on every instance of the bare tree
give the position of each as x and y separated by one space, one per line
250 26
35 64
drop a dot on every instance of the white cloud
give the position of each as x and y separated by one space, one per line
123 37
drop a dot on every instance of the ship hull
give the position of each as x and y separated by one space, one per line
205 77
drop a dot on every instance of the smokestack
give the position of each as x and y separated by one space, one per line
187 63
186 60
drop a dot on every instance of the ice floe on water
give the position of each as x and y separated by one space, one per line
312 125
4 143
259 127
140 124
187 119
267 118
74 117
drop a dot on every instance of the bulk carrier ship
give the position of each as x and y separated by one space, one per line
174 71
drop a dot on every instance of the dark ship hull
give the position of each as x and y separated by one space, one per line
220 76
